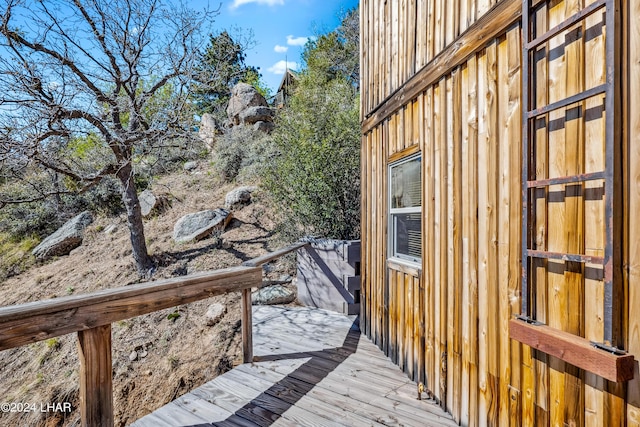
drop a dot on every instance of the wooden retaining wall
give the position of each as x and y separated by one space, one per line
436 82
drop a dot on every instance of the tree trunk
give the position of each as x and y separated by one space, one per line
144 263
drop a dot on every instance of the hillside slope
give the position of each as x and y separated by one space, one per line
173 355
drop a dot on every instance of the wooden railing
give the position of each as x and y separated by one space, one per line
91 315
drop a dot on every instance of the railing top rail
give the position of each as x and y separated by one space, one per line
91 316
39 320
17 311
258 261
35 321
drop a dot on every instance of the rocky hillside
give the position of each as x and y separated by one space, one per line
159 356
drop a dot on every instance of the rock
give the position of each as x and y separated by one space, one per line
243 96
266 127
75 251
276 294
238 196
151 204
189 166
198 225
110 229
133 356
286 278
65 239
143 353
252 115
282 280
215 313
147 202
181 270
208 130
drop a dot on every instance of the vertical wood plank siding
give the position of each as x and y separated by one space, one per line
445 322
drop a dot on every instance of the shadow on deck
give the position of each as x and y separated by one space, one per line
313 368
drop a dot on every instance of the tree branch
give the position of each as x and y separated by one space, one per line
115 72
14 37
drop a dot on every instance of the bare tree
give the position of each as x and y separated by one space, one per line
114 73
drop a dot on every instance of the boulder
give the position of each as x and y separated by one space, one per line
151 204
65 239
199 225
243 96
207 130
266 127
238 197
256 114
189 166
110 229
276 294
214 313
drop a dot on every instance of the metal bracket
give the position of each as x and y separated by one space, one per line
608 348
529 320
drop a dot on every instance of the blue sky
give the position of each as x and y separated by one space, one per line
280 28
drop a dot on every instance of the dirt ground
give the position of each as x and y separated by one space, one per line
176 350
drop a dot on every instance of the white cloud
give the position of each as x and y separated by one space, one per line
237 3
280 49
296 41
280 67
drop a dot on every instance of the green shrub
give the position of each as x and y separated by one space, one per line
40 218
167 158
315 176
105 198
240 152
15 255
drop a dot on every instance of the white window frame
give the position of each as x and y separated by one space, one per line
392 235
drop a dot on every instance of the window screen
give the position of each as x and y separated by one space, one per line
405 209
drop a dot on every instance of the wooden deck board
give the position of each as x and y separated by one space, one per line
314 368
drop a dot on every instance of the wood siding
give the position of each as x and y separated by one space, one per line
402 36
445 323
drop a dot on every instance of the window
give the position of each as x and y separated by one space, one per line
405 209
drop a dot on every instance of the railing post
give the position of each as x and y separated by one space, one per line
96 391
247 325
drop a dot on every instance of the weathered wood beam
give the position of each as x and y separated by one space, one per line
258 261
27 323
413 149
96 390
247 327
573 349
495 22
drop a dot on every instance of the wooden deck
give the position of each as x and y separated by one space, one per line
314 369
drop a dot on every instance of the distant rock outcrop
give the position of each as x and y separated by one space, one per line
208 130
238 197
151 204
199 225
65 239
256 114
243 96
248 107
265 127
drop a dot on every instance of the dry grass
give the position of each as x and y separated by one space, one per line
181 353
